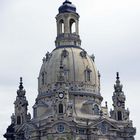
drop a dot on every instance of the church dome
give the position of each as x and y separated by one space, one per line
67 6
71 65
68 64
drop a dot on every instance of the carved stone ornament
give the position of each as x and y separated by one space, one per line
83 54
48 55
92 57
64 53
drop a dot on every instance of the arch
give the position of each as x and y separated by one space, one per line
60 108
18 120
72 23
61 26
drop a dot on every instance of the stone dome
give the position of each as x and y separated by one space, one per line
71 65
68 64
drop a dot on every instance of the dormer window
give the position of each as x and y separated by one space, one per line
88 75
96 110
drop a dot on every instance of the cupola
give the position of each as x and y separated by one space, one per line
67 26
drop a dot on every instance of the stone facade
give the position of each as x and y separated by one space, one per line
68 105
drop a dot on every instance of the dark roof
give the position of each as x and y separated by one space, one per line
10 132
67 6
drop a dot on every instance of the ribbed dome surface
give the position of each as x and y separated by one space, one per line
75 63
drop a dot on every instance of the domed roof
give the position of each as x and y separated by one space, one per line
67 7
71 65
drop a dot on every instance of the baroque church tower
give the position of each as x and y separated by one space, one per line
68 105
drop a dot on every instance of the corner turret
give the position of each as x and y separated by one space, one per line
21 105
20 116
119 112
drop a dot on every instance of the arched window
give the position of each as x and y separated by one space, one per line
96 110
119 116
72 26
61 26
18 120
60 108
88 74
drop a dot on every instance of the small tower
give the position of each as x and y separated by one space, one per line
21 105
119 113
20 116
67 26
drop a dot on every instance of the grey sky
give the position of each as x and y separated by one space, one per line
108 28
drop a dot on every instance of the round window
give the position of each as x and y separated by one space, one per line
60 128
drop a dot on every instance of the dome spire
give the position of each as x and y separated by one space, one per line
21 84
117 76
118 86
119 112
21 92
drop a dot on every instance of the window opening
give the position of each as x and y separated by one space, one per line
61 26
81 131
60 108
60 128
119 116
18 120
72 26
96 110
88 75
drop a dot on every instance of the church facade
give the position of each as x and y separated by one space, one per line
68 104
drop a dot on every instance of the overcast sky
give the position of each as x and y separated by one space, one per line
108 28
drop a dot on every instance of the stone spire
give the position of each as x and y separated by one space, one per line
21 84
21 106
21 92
118 86
119 113
20 116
